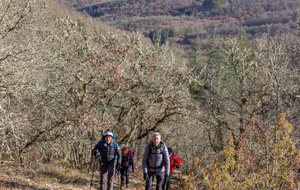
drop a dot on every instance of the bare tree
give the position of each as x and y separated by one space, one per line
244 78
65 80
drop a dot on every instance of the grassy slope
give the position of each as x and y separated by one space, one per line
51 176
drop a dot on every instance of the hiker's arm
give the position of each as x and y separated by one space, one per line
167 161
119 155
133 165
145 158
97 147
177 160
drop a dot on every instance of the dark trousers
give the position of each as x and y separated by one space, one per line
109 171
167 182
124 173
159 180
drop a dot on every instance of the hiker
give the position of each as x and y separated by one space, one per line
107 151
155 162
175 162
127 165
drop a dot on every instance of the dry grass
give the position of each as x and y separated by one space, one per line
48 176
54 177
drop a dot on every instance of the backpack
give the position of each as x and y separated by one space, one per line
115 145
171 152
129 152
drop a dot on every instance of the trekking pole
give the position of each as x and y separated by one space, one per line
116 174
92 174
118 178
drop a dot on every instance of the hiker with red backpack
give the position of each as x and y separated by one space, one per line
107 151
156 162
127 165
175 162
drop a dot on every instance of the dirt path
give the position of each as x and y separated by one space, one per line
53 177
138 183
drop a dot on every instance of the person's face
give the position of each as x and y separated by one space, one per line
108 139
156 140
124 153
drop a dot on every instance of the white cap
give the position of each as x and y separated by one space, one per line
108 133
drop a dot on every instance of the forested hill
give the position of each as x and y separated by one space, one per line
191 18
229 108
131 8
65 78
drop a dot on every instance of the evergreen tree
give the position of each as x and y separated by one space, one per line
155 35
212 4
172 32
164 35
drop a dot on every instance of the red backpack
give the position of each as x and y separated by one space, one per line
128 150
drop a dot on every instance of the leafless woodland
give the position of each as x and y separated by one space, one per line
65 78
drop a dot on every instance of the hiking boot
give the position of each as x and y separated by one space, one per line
127 185
122 187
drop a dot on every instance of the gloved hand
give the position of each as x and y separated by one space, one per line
166 177
118 167
146 177
177 165
97 154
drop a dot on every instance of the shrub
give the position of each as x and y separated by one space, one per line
264 159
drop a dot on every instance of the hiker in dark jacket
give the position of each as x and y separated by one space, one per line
156 162
106 151
127 165
175 162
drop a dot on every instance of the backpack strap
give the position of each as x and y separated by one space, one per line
115 150
115 145
130 152
126 160
149 153
130 155
101 143
172 159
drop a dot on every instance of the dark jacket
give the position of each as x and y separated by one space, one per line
127 161
156 160
107 151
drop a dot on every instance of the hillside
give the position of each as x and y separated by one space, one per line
226 101
191 18
64 79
